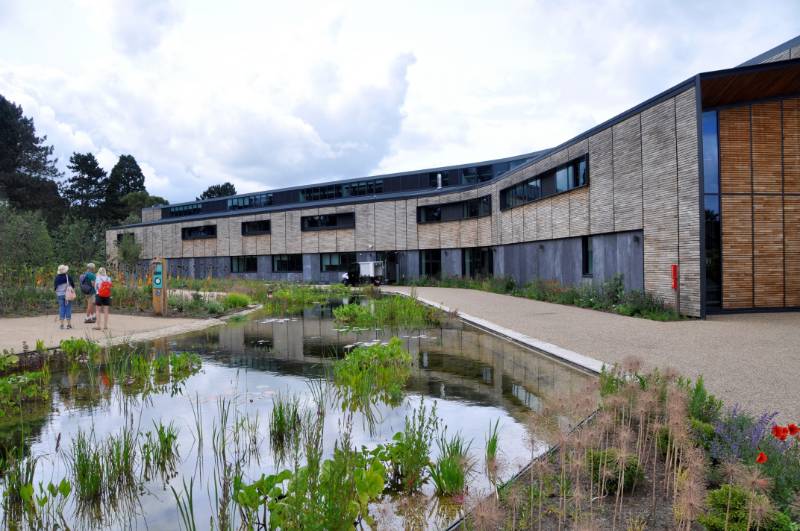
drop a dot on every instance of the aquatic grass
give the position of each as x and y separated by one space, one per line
390 310
236 300
184 364
86 460
18 391
284 424
492 441
79 349
160 450
185 503
120 458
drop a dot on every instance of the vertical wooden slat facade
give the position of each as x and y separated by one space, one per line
759 150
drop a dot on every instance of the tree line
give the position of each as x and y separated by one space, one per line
47 217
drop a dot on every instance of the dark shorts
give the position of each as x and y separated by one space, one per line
102 301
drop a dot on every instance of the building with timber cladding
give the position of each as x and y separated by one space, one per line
704 176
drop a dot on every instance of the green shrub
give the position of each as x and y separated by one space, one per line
735 502
18 390
703 406
702 432
374 373
236 300
79 349
609 460
215 307
409 453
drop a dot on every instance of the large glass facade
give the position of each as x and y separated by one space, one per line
711 206
430 263
477 262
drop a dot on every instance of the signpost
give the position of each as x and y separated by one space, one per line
157 269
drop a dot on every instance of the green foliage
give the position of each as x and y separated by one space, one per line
9 360
492 441
160 450
132 204
392 311
736 502
86 189
77 241
376 372
19 390
32 245
702 432
236 300
609 460
86 460
449 473
409 453
703 406
128 252
218 190
284 423
126 177
77 349
611 381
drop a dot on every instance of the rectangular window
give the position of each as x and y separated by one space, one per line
199 233
336 261
244 264
458 210
572 175
287 263
184 210
346 220
477 262
587 262
250 201
121 235
254 228
430 263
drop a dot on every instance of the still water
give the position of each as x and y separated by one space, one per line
473 377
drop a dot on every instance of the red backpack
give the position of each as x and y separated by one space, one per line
104 290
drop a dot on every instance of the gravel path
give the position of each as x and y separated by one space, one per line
15 330
749 359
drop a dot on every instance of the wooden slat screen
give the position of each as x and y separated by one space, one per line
768 250
737 251
767 147
791 212
734 150
791 146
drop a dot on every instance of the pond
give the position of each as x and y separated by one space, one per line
473 377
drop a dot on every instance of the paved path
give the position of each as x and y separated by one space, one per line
15 330
750 359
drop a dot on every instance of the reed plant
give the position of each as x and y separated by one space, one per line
449 472
159 450
492 441
86 460
284 424
409 453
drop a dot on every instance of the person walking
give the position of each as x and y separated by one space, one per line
65 293
102 299
87 287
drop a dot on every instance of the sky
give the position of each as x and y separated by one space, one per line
270 94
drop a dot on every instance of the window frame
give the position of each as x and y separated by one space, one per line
455 210
243 263
256 232
587 257
561 179
337 221
289 260
341 266
187 234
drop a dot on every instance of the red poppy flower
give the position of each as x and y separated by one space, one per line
780 432
762 458
793 429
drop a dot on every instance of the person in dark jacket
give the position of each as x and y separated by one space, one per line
60 284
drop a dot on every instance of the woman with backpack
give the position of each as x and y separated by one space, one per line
87 287
65 293
102 299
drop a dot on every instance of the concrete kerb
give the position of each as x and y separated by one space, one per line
584 362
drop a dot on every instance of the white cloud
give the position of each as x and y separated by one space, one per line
281 94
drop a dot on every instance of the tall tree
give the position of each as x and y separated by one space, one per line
134 202
126 177
218 190
25 240
27 166
86 188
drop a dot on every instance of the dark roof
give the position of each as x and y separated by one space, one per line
760 58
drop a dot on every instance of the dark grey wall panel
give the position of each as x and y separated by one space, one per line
311 272
451 263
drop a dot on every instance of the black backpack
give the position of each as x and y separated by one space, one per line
86 284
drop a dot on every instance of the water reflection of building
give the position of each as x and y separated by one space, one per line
471 363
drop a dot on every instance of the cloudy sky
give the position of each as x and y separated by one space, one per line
271 94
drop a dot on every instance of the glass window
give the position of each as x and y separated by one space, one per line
587 256
713 246
199 233
710 153
336 261
345 220
477 262
287 263
244 264
253 228
430 263
562 180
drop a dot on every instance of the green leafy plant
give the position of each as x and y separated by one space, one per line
609 461
236 300
728 508
703 406
373 373
409 453
449 472
492 441
79 349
